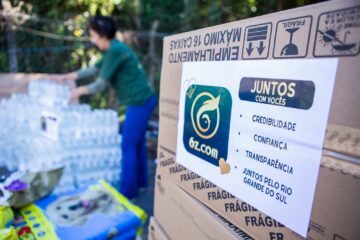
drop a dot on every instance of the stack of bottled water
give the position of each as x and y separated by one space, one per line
41 130
50 93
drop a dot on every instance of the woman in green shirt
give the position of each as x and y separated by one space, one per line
121 69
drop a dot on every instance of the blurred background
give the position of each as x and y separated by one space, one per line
50 36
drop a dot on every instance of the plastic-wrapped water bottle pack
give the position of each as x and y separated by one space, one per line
49 93
41 130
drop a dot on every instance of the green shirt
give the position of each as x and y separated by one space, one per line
123 70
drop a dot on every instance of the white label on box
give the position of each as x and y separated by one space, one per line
256 129
50 125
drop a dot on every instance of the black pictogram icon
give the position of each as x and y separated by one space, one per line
337 33
256 42
249 49
329 36
257 34
290 48
292 37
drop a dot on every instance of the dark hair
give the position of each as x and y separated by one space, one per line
104 26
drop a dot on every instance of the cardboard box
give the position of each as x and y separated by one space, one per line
343 130
183 217
334 212
155 231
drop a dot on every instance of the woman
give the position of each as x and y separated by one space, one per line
121 69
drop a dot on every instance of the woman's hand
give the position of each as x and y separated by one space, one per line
76 93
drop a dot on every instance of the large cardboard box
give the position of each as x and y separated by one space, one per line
334 212
155 231
183 217
343 130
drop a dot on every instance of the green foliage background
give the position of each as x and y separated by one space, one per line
69 18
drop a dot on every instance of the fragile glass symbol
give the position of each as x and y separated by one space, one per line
290 48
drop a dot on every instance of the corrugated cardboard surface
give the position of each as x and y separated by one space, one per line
155 231
335 214
344 120
183 217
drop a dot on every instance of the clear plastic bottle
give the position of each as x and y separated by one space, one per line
87 143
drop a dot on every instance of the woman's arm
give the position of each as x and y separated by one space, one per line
98 86
76 75
85 73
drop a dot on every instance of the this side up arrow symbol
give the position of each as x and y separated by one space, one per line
249 49
261 48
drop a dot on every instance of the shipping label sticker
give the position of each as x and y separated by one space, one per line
338 33
257 41
257 134
292 37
